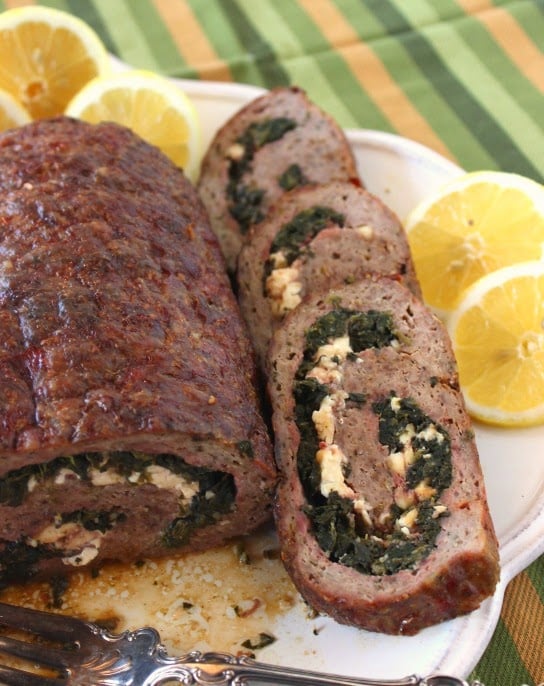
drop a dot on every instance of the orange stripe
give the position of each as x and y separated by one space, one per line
513 40
191 40
474 6
372 75
527 632
10 4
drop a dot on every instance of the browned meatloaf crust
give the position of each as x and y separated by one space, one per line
381 510
130 422
315 238
277 142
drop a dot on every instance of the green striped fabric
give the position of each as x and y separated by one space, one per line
516 653
464 77
446 60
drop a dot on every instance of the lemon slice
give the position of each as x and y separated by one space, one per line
497 333
46 56
475 224
152 106
12 113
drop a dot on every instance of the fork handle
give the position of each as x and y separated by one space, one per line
222 669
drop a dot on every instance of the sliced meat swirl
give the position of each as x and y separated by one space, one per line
276 143
316 238
381 511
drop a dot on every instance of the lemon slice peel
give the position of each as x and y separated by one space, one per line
153 106
12 113
475 223
47 55
497 333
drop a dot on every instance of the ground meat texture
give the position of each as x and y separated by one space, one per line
313 239
276 143
120 337
381 510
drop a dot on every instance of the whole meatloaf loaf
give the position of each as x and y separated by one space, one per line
314 238
130 426
381 512
277 142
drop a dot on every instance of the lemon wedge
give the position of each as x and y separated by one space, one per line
497 331
152 106
475 224
46 56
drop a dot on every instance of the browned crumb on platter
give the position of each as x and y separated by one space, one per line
216 600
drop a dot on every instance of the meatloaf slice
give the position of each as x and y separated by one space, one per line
314 238
381 510
131 426
277 142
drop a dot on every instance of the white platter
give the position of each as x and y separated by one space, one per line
401 172
170 595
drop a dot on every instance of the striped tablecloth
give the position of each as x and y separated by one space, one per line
463 77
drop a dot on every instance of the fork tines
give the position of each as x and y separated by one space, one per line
46 624
46 629
9 676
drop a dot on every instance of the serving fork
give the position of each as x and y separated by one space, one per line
76 652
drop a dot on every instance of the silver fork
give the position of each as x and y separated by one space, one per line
85 654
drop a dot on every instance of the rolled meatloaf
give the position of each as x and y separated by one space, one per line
381 510
314 238
131 426
277 142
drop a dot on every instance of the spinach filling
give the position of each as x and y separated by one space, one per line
132 465
365 330
292 177
204 509
214 494
370 329
19 558
293 235
245 201
346 542
93 520
344 536
432 457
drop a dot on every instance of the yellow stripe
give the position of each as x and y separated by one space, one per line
191 40
372 75
521 597
511 37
